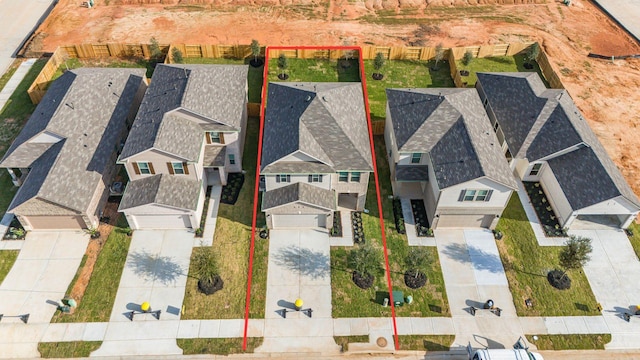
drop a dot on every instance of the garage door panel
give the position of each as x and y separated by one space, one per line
299 220
464 221
173 221
56 222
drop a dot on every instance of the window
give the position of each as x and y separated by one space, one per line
486 103
535 169
495 127
415 158
214 137
475 195
315 178
343 176
355 177
178 168
144 168
283 178
232 159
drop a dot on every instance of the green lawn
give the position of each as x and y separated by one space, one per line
351 301
254 77
10 71
72 349
495 64
526 265
317 70
12 118
100 294
571 342
231 245
110 62
635 239
426 342
217 346
403 74
7 258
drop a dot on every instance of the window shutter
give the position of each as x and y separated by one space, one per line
461 197
320 178
136 169
488 195
310 178
170 167
185 166
153 172
208 136
288 178
277 178
221 138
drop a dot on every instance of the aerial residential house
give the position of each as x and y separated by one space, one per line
316 154
188 134
441 149
64 157
546 140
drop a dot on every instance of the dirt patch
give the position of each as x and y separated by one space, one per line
605 92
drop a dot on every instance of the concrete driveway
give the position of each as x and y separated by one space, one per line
37 281
155 271
299 267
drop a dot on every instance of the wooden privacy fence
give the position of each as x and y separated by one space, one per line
40 85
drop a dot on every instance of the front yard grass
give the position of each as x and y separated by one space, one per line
217 346
571 342
100 294
254 77
231 244
526 265
349 300
635 238
7 259
426 342
12 118
403 74
72 349
496 64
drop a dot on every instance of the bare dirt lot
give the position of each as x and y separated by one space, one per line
606 92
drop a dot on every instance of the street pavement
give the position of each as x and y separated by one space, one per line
17 20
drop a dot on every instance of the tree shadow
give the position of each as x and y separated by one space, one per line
308 263
155 268
484 260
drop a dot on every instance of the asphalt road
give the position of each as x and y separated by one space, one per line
17 19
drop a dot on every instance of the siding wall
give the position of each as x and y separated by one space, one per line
555 195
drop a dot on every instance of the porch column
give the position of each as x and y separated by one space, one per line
16 181
223 175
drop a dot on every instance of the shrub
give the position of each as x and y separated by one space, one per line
379 61
532 52
418 260
255 49
283 62
467 58
154 49
176 55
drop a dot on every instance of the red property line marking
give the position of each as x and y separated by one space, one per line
375 175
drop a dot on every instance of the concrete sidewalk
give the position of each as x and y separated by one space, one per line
13 83
212 218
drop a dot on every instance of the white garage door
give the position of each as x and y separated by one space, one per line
56 222
464 221
299 221
177 221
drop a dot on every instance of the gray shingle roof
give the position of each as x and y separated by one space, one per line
412 172
299 192
214 156
559 125
326 121
88 108
450 125
203 93
171 190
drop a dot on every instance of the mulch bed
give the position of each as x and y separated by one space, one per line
362 281
420 216
231 191
210 287
415 282
336 229
398 217
356 226
558 280
544 211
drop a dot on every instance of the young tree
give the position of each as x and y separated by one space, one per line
204 266
255 50
467 58
378 61
154 49
575 253
283 64
532 52
176 55
418 260
439 55
365 260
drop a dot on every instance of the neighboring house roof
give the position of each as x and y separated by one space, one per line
82 117
558 126
183 101
412 172
452 127
170 190
326 121
299 192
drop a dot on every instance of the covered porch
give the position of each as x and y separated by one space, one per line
214 165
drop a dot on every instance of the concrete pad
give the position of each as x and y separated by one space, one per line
23 275
74 332
461 297
231 328
165 347
19 350
623 341
211 219
443 326
209 329
575 324
10 244
555 325
341 327
596 324
188 329
359 326
13 333
141 330
533 325
94 331
309 346
380 324
255 328
421 326
404 326
54 333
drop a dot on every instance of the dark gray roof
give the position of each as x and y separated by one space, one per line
198 95
558 126
412 173
326 121
302 192
214 156
87 108
171 190
452 127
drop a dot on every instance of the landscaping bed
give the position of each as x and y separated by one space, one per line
205 210
231 191
527 264
15 231
420 217
398 217
544 211
356 227
336 229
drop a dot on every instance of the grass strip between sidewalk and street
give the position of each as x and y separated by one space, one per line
344 341
218 346
426 342
70 349
570 342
